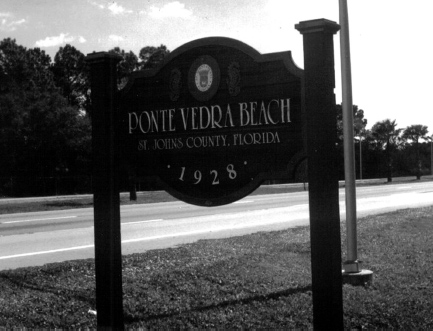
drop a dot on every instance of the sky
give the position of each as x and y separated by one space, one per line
390 40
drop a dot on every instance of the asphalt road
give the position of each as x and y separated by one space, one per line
37 238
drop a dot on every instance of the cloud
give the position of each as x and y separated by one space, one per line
100 6
61 39
172 9
8 24
115 38
116 9
111 41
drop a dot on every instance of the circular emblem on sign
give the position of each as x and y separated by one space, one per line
204 78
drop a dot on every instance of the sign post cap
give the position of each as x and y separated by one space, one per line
101 56
318 25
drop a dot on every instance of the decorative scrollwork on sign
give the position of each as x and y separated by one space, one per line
234 79
175 84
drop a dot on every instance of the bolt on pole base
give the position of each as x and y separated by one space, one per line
354 275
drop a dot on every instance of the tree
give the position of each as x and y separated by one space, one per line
25 78
386 137
414 133
359 122
126 66
71 75
151 57
24 70
40 133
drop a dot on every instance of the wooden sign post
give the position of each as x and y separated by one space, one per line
108 257
321 135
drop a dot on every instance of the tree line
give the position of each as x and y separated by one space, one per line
386 150
45 116
46 111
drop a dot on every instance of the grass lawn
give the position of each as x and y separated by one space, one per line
255 281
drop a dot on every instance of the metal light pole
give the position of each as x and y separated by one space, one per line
351 264
352 273
431 155
360 153
360 157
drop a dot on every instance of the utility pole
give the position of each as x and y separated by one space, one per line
352 272
431 155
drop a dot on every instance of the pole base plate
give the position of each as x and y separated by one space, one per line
361 278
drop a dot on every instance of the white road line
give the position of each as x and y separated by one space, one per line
138 222
39 219
246 201
172 235
45 252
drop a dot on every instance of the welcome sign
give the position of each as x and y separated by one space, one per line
214 121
